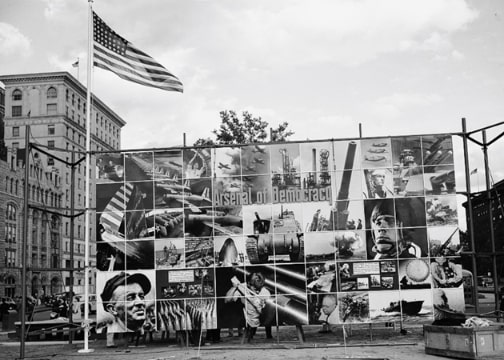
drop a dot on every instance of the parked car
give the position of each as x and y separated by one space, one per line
79 298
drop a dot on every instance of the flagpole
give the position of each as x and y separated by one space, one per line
86 323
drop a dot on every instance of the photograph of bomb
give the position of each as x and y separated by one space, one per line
376 153
197 163
171 315
166 223
169 253
129 255
230 251
201 314
354 307
199 252
263 246
203 222
315 165
109 167
321 277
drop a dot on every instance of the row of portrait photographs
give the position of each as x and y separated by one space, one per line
144 300
318 158
375 215
238 250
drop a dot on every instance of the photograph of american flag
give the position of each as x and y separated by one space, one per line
114 53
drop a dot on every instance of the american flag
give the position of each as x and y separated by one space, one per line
113 52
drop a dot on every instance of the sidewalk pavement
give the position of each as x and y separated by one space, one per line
361 343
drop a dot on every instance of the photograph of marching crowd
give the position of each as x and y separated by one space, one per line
329 232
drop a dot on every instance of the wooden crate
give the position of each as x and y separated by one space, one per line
465 343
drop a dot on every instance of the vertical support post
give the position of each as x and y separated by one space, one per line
490 222
470 221
184 139
72 227
360 130
87 172
24 246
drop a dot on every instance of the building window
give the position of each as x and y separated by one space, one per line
51 130
15 145
50 144
17 111
17 95
10 289
10 224
73 99
15 131
50 161
52 109
52 93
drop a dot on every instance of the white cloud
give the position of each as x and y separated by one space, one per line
395 105
347 32
12 41
54 8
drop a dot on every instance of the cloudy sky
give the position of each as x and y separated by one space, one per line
396 67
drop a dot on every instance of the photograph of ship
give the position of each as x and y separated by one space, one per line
303 217
416 305
383 306
169 253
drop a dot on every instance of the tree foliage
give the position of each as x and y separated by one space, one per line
248 129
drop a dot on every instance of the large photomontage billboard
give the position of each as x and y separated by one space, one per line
340 231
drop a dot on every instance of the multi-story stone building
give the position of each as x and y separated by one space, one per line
54 107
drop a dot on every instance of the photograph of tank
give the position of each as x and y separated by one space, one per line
329 232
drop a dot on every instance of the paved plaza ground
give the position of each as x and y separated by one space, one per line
361 342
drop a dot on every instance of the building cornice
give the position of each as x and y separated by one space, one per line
62 76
